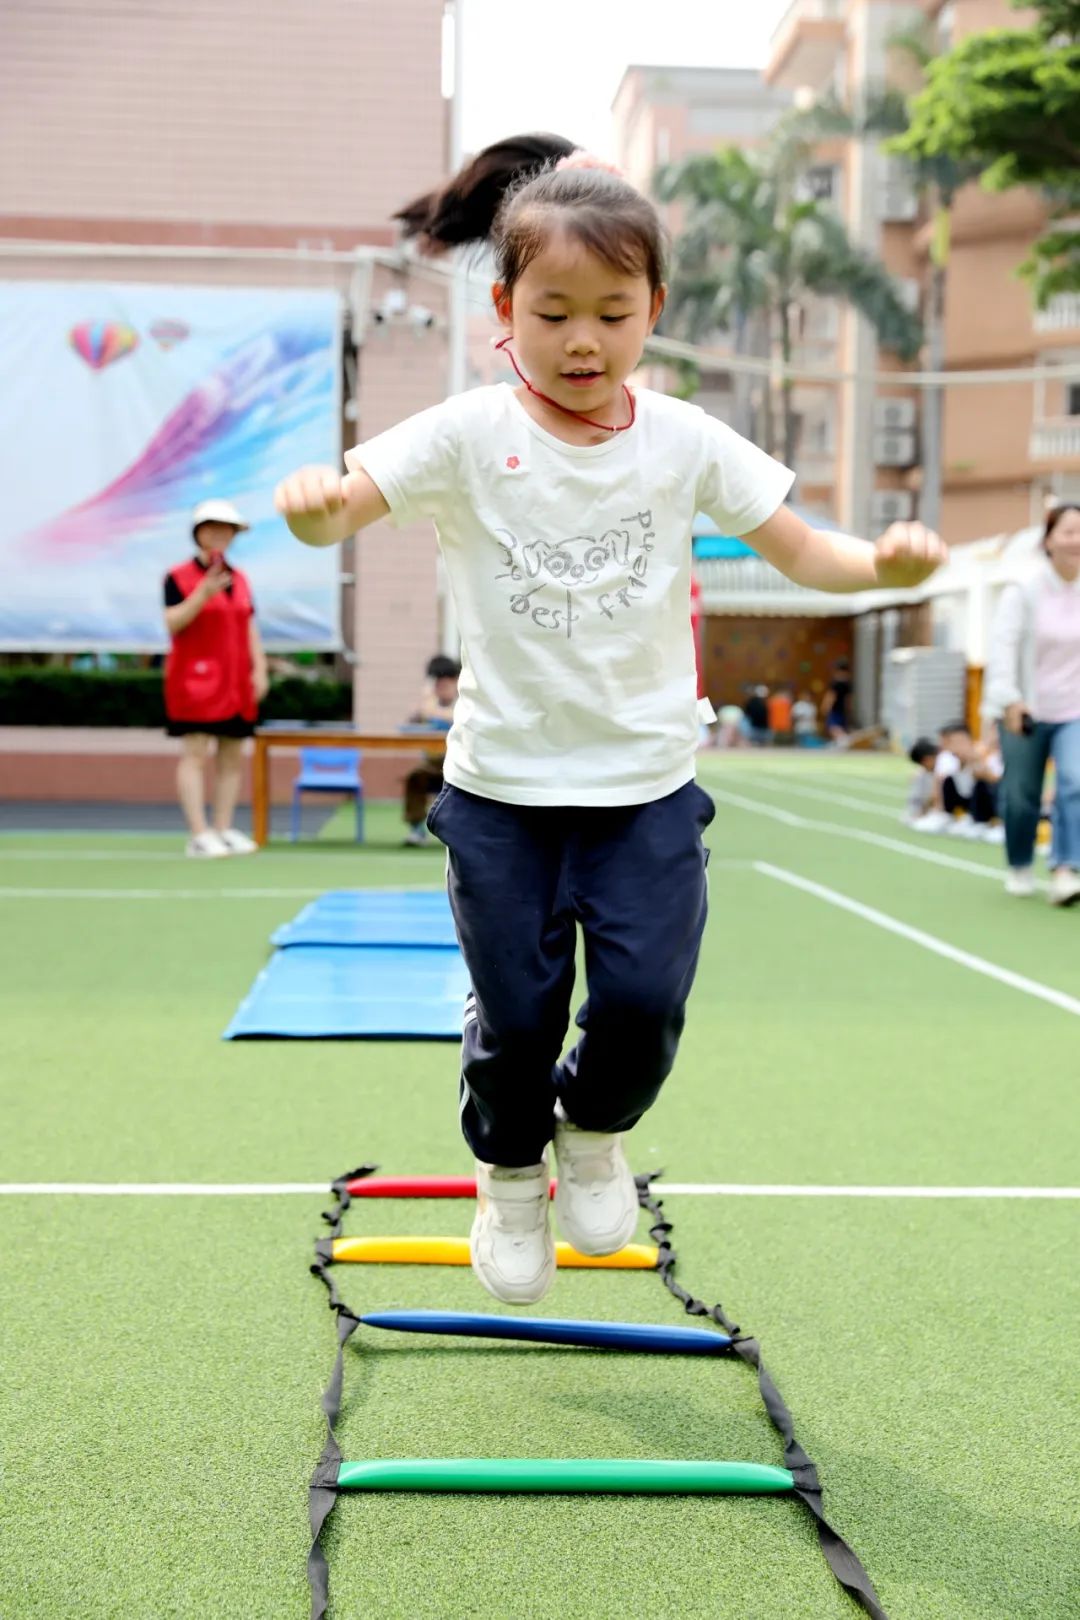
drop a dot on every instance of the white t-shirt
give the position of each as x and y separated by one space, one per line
569 567
947 764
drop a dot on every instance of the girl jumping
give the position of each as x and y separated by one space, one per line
564 508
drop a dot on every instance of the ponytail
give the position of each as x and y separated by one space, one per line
514 193
465 209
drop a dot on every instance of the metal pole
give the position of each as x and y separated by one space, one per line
458 302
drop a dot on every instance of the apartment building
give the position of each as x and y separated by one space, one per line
1006 447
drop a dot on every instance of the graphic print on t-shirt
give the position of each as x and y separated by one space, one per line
554 577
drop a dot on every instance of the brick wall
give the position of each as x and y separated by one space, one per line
294 113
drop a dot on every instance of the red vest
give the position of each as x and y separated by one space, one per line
208 670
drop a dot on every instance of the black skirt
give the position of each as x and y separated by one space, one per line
237 726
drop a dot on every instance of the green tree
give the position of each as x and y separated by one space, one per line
1008 101
754 249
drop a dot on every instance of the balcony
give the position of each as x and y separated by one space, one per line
1054 438
806 44
1062 314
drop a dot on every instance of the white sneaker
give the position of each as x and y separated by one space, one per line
992 832
207 846
1064 887
596 1202
1020 881
934 821
416 837
510 1245
962 827
238 843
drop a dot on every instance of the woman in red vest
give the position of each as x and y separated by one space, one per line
215 677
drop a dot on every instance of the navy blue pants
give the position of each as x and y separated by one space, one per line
520 880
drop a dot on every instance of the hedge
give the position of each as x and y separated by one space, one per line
133 697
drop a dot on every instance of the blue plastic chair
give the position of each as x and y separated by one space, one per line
329 770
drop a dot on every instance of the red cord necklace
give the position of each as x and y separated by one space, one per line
605 427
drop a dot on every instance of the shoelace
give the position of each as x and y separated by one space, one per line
522 1215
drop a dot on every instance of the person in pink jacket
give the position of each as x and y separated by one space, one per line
1033 691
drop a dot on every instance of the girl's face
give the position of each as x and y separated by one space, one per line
579 325
1063 544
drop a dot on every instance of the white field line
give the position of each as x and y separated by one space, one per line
701 1189
159 894
864 806
791 818
879 791
133 857
208 895
173 855
929 942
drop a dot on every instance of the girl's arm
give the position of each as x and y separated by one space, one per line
259 674
323 507
905 555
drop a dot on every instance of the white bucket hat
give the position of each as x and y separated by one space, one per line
217 512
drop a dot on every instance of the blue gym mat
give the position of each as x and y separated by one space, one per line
340 992
372 917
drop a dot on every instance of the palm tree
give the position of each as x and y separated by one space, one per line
754 250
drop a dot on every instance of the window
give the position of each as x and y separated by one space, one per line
817 184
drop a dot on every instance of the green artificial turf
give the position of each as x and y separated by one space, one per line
163 1358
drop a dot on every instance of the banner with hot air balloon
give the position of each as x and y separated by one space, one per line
124 405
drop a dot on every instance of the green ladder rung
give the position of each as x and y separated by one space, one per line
651 1477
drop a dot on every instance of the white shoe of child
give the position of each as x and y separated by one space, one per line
510 1245
962 827
933 821
992 832
238 843
1020 882
596 1202
1064 887
207 846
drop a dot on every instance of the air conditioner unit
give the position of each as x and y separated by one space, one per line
894 415
896 204
894 449
891 506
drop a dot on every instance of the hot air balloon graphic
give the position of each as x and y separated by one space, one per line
167 333
99 343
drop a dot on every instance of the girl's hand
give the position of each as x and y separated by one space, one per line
906 554
261 683
322 506
313 492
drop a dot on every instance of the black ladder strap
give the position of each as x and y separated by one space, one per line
839 1556
323 1491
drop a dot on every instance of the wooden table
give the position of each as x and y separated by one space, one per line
383 742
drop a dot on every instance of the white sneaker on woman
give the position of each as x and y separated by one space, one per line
1020 882
596 1202
207 846
510 1245
1064 887
238 843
